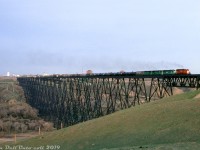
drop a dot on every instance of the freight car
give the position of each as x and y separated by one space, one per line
156 72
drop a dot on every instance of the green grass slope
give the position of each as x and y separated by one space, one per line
170 123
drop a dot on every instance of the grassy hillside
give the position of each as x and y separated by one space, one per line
170 123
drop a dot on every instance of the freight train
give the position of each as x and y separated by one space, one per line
153 72
137 73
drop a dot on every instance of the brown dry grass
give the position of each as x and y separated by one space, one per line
19 137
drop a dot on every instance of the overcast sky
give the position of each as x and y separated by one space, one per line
71 36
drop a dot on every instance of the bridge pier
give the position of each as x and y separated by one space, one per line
160 88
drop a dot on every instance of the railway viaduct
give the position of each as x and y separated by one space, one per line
72 99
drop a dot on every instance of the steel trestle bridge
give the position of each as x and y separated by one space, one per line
72 99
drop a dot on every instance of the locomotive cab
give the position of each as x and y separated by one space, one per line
182 71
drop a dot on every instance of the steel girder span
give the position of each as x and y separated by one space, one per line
70 100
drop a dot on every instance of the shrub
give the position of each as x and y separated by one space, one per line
3 113
47 126
23 127
1 125
16 126
7 126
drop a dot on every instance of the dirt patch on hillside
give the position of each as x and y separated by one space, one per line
197 96
177 90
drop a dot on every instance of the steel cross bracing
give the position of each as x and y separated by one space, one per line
69 100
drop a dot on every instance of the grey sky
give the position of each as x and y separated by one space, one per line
71 36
